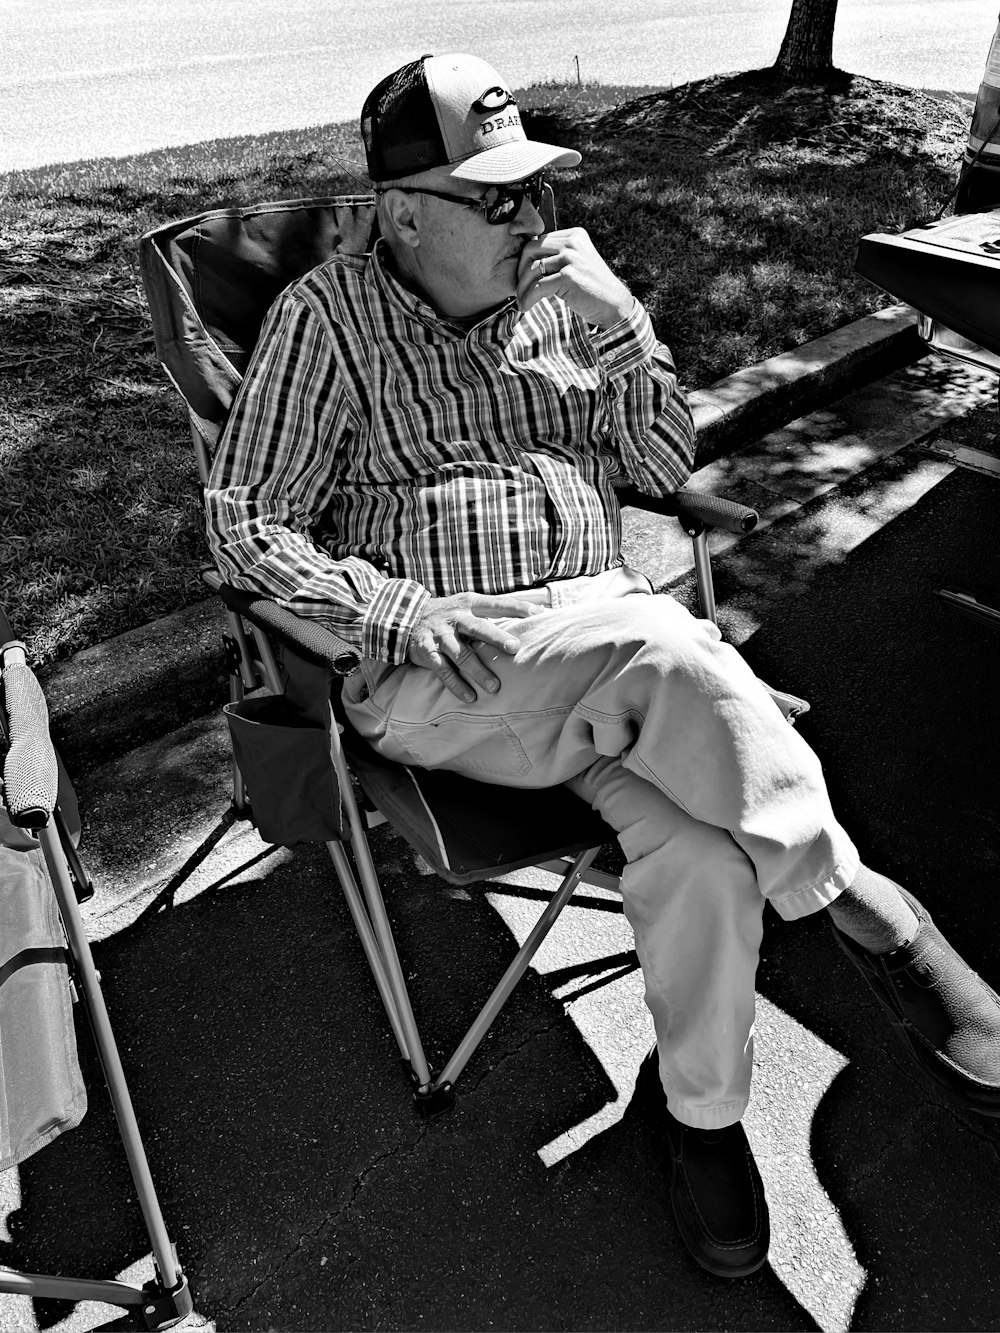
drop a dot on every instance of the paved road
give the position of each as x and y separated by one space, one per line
299 1188
84 80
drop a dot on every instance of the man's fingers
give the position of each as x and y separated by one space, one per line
548 243
475 670
432 659
452 680
484 631
443 640
566 264
457 665
495 607
540 258
534 292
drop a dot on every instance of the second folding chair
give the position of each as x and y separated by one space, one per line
46 956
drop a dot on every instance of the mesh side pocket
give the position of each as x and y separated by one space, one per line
288 770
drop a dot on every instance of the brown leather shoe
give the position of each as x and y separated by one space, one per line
948 1017
716 1191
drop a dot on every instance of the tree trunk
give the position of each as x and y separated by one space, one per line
808 46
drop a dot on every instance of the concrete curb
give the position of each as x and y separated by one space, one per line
761 398
145 683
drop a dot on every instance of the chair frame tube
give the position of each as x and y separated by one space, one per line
703 575
515 971
412 1047
369 914
167 1300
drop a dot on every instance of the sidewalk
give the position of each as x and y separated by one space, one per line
298 1186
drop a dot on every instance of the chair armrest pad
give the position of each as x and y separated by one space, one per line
305 637
691 507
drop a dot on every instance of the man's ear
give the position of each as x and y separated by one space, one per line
401 212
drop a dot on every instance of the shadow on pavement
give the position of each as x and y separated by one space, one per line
906 718
299 1187
303 1193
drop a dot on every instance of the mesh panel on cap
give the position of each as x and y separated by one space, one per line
399 125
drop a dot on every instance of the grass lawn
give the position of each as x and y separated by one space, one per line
732 206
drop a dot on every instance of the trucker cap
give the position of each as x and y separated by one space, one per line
451 111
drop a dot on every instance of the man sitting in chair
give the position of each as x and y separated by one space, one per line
421 458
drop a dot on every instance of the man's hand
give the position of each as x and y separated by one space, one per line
443 639
566 264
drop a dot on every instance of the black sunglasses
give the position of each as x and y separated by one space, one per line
500 203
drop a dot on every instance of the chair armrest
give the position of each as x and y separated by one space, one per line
30 774
305 637
694 510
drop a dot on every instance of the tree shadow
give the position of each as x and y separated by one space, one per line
670 188
672 183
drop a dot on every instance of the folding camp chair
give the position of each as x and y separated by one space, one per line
209 281
31 796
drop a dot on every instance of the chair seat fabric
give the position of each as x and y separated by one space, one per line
468 830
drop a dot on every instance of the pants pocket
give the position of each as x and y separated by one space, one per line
484 747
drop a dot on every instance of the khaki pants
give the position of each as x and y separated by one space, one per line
719 804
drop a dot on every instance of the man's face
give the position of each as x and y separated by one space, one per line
463 263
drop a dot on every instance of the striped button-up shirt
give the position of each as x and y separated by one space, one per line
378 454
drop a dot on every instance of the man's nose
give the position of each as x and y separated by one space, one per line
528 221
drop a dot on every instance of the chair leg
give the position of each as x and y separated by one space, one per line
363 925
790 704
599 878
514 973
242 678
82 887
392 972
703 575
268 661
432 1090
969 605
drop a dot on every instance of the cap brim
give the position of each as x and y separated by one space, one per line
513 161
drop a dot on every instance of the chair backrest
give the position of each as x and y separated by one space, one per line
210 280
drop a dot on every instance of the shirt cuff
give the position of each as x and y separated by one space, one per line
626 345
389 619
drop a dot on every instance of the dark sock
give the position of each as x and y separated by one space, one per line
874 913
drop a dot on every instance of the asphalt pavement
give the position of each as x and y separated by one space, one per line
301 1191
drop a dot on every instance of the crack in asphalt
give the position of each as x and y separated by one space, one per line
400 1151
502 1057
968 1121
928 1098
939 1101
862 1177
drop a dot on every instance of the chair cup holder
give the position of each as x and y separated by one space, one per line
286 763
